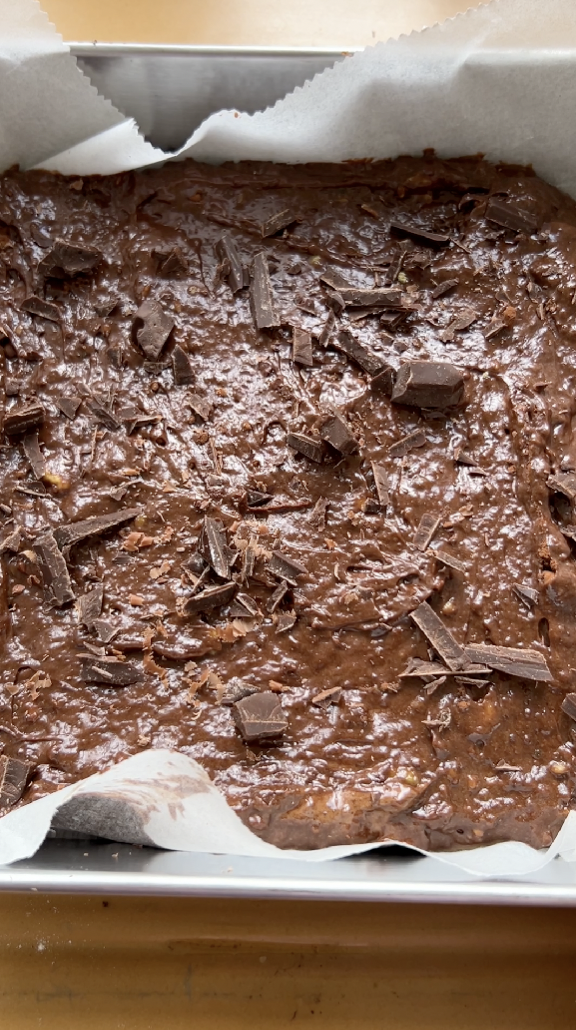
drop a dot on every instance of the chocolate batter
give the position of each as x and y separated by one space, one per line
283 450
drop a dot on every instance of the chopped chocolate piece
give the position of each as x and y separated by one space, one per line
414 232
31 448
282 567
57 582
44 308
443 288
362 296
524 663
248 560
89 605
261 300
392 319
302 347
32 489
255 498
101 413
407 443
105 630
332 278
235 690
140 420
183 374
169 263
69 259
428 384
279 594
183 650
109 672
384 380
367 360
12 542
334 431
73 532
330 696
40 236
68 405
511 216
503 766
448 559
14 775
275 223
569 705
464 319
200 406
23 418
286 621
381 483
455 657
213 547
426 529
326 334
211 597
564 483
244 607
307 446
423 670
260 716
282 507
14 387
528 595
227 253
152 327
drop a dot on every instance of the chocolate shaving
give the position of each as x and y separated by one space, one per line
326 334
526 664
105 630
384 380
334 431
14 775
448 559
211 597
302 347
282 567
426 529
503 766
381 483
462 321
428 384
181 367
235 690
261 300
57 582
31 448
260 716
414 232
200 406
330 696
307 446
244 607
140 420
109 672
73 532
24 418
569 706
367 360
248 560
443 288
360 296
285 621
233 269
454 656
275 223
508 214
43 308
68 405
407 443
527 595
277 597
169 263
89 605
213 547
69 259
101 413
151 327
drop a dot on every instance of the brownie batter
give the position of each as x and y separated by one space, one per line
287 476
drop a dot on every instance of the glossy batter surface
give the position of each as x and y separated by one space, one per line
366 752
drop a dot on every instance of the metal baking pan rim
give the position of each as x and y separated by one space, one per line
84 49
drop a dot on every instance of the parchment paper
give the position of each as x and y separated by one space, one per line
500 79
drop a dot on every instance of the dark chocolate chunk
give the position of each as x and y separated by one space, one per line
326 334
102 413
454 656
244 607
213 547
371 297
255 498
282 567
74 532
31 489
350 346
334 431
282 507
443 288
260 716
109 672
261 300
139 420
527 595
381 483
23 418
384 380
407 443
569 705
57 582
330 696
415 232
105 630
285 621
89 605
152 327
43 308
302 347
564 483
233 269
40 236
307 446
14 387
236 689
182 650
448 559
428 384
14 775
169 263
462 320
31 448
200 406
68 405
524 663
183 374
511 216
426 529
211 597
69 259
12 542
392 319
275 223
277 597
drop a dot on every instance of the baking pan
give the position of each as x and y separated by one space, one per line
170 91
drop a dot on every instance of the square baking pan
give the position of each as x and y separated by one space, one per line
170 91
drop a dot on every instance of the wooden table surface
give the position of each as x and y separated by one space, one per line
132 964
